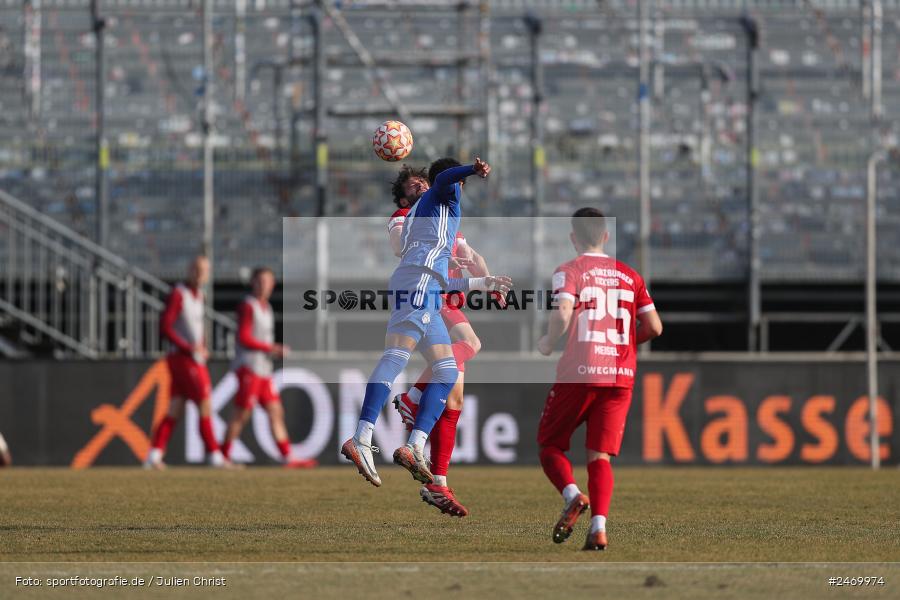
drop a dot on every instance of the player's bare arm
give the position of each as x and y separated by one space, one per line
479 266
397 240
649 326
470 260
557 325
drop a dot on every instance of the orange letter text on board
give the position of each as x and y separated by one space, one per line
661 418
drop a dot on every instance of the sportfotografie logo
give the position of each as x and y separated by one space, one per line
476 300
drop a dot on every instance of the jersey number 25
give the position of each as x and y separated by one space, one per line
604 303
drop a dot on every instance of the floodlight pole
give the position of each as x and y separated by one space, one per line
208 127
32 21
321 148
101 184
871 315
877 13
644 116
865 18
535 28
754 301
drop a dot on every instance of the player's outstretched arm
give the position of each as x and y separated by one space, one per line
649 326
451 176
491 283
479 267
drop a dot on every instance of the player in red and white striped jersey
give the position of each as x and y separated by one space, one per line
605 307
182 325
253 367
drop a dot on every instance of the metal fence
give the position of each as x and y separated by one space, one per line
79 297
462 73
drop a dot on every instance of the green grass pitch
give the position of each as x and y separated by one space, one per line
817 516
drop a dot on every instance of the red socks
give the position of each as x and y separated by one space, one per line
600 486
443 439
284 446
557 467
206 432
163 433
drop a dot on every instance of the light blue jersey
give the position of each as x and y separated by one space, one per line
431 224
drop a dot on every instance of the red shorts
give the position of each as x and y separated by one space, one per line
453 316
188 378
253 388
571 404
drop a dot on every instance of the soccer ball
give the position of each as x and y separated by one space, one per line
393 141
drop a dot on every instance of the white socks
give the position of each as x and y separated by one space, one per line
414 394
155 456
417 438
364 432
570 492
598 523
440 480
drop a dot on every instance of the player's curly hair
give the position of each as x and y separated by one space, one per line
406 173
439 166
589 225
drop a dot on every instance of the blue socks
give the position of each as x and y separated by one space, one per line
382 379
434 399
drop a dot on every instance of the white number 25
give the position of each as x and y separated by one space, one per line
604 302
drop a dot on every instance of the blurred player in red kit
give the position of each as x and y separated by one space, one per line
604 306
407 188
182 324
253 367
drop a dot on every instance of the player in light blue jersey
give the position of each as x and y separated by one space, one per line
416 287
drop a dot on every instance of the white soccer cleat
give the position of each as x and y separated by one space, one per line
412 458
362 456
217 460
154 460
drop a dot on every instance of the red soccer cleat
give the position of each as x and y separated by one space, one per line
301 463
407 409
596 540
569 517
442 498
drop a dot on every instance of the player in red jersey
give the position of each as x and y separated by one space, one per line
253 367
182 324
407 188
605 307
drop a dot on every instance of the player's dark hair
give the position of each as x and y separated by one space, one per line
257 271
406 173
589 225
439 166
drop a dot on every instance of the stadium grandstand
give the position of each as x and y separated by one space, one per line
809 114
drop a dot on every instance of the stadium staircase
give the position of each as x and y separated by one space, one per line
63 295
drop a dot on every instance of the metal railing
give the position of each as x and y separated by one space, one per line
66 291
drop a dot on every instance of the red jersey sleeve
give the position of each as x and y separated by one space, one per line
245 330
642 300
564 284
397 218
167 322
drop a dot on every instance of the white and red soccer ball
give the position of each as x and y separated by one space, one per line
393 141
